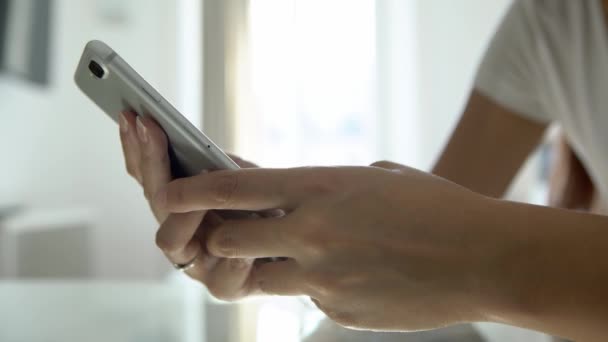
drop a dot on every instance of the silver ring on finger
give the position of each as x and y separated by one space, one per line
186 266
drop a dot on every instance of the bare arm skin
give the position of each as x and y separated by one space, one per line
395 249
389 247
488 146
555 272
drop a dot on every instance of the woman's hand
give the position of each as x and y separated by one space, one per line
382 248
145 149
181 236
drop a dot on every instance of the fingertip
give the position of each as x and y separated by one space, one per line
155 131
124 113
123 123
193 250
126 122
215 249
128 116
221 243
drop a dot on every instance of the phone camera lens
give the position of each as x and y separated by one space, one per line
96 69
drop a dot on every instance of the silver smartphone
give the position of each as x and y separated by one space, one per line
115 87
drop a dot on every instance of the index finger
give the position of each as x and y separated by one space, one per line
245 189
176 236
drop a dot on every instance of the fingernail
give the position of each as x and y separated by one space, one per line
123 123
142 131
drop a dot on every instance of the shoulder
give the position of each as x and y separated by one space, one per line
555 8
538 11
555 15
512 67
549 23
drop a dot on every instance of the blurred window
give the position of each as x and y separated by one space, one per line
312 69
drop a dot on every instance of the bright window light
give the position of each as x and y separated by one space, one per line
190 54
313 66
277 324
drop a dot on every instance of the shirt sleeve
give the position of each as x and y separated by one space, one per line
507 73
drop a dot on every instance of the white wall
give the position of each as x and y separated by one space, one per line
452 36
59 150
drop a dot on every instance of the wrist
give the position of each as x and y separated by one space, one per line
545 269
484 289
502 287
522 276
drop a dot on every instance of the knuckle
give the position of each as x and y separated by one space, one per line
343 318
312 235
382 164
322 284
225 188
146 157
131 170
176 193
147 193
326 183
311 244
314 182
314 220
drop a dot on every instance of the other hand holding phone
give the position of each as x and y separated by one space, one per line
181 236
158 146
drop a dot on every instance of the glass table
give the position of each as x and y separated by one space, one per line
59 311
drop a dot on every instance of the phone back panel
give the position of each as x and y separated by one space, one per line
122 89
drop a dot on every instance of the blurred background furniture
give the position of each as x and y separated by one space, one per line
58 311
50 290
47 243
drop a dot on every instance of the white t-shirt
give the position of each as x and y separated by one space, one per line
549 62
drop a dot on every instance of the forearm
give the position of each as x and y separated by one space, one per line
553 274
